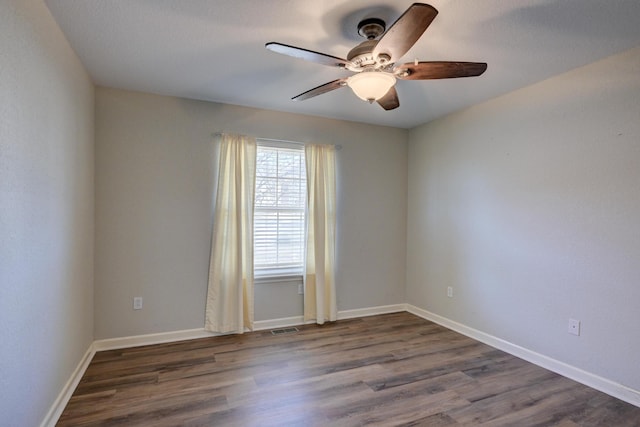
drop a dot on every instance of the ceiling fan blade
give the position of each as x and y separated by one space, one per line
405 31
327 87
307 55
439 70
390 100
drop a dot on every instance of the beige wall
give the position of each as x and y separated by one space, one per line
529 206
46 212
155 166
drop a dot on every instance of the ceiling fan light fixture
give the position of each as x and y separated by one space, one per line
375 60
371 85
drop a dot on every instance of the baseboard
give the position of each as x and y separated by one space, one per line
149 339
604 385
61 401
371 311
261 325
284 322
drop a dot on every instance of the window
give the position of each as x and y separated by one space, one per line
279 215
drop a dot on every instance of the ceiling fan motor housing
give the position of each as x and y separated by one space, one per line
361 55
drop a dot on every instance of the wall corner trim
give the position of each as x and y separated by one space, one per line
589 379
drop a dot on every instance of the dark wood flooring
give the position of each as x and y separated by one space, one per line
394 369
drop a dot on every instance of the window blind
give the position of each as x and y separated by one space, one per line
279 210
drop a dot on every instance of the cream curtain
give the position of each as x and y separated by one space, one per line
230 294
319 279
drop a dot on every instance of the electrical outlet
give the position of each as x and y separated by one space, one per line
300 289
574 327
137 303
450 291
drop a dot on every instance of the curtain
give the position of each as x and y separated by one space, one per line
319 279
229 305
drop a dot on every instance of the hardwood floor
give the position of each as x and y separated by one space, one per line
394 369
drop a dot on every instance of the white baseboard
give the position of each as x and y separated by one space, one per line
604 385
261 325
61 401
371 311
149 339
284 322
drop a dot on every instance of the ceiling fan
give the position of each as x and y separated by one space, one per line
374 60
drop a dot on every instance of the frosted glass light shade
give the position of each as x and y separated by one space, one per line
371 85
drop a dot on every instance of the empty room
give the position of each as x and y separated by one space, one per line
319 213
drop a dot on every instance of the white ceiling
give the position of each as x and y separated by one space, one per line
214 49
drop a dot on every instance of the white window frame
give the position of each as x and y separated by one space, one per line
282 275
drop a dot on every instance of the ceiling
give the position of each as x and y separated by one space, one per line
214 49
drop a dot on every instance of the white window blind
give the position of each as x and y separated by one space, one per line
281 190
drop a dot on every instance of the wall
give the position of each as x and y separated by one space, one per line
46 212
155 167
529 206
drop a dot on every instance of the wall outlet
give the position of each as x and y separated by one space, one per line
137 303
450 291
300 289
574 327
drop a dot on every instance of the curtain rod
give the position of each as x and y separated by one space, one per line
338 147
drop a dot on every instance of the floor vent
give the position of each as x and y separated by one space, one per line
284 331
